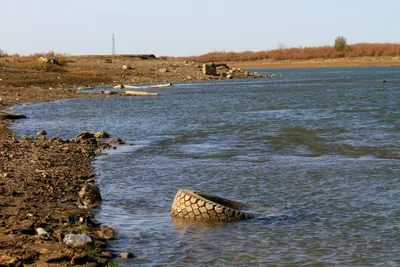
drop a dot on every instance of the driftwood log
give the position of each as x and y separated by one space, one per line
136 93
121 86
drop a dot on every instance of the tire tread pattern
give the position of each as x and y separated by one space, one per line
192 206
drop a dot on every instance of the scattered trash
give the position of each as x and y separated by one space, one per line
77 240
42 232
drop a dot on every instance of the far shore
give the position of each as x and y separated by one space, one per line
320 63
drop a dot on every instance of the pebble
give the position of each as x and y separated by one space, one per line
41 132
126 255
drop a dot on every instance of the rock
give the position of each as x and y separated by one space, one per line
10 115
58 235
126 67
116 140
84 135
229 76
80 258
89 196
106 232
110 93
383 81
126 255
88 135
41 132
51 60
120 86
101 135
163 70
209 69
107 254
257 75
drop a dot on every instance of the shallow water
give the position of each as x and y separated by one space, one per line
317 148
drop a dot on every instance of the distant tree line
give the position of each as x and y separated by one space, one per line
340 49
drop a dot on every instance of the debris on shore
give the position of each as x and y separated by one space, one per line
42 180
222 70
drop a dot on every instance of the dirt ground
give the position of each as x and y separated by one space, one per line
40 177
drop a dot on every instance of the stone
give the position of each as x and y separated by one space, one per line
116 140
101 135
110 93
84 135
229 76
88 135
41 132
126 67
58 235
126 255
89 196
10 115
163 70
106 232
209 69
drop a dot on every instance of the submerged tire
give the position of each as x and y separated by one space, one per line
193 205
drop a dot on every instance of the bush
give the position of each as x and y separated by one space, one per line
340 43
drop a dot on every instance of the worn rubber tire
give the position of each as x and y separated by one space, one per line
193 205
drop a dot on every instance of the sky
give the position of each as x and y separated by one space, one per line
189 27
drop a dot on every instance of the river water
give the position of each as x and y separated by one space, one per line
317 149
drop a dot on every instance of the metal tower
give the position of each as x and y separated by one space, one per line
113 44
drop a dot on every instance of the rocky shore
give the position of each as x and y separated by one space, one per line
40 179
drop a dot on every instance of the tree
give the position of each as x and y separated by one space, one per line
340 43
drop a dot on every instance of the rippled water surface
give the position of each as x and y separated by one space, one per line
318 149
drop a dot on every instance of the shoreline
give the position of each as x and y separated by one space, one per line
320 63
40 179
31 179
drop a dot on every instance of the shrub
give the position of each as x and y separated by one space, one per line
340 43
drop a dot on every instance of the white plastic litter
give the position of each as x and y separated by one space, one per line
77 240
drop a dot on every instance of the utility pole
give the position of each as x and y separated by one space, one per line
113 44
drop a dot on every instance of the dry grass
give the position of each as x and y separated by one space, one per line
33 62
303 53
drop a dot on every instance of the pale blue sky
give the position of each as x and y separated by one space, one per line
185 27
